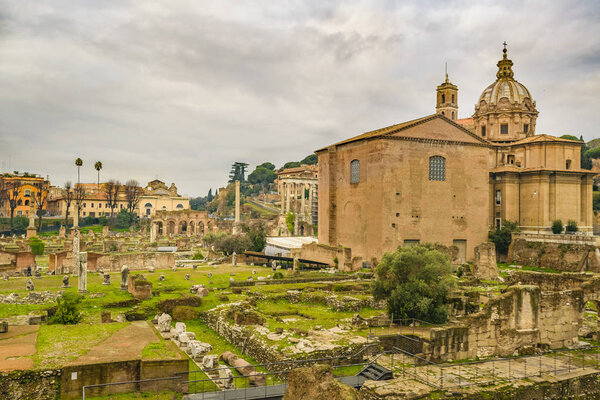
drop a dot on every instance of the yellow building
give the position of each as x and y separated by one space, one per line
29 188
155 196
442 180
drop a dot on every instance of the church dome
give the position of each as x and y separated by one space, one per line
505 111
505 86
512 90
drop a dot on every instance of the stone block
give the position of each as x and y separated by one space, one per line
210 362
180 327
164 323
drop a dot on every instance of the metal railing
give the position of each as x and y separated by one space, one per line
210 382
496 370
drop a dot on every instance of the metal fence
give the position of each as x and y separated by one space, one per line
496 370
212 384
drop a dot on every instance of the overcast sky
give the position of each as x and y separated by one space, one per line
180 89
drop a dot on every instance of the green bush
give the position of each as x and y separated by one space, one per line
278 275
416 282
103 220
125 219
198 256
37 246
229 244
67 310
258 237
289 221
503 236
572 226
20 224
557 227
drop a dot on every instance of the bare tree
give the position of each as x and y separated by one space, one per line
12 189
40 198
133 192
68 196
78 196
111 190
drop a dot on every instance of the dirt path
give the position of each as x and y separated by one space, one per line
17 346
125 344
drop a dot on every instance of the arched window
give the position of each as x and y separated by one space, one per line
354 171
443 98
179 205
437 168
148 205
452 99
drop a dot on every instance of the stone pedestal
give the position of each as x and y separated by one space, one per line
31 232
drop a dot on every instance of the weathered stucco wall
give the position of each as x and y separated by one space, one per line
395 201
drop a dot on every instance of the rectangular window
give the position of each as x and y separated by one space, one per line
498 223
525 128
354 171
92 205
504 129
568 164
510 160
437 168
27 193
483 131
498 197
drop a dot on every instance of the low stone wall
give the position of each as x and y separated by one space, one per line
556 256
296 280
327 254
74 377
135 261
39 385
245 338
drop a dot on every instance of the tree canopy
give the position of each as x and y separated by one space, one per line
416 282
238 172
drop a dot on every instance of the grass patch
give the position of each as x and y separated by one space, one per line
58 345
160 350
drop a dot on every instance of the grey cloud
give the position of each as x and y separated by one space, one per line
182 89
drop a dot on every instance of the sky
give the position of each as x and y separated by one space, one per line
179 90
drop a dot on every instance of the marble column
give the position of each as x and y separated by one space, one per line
82 272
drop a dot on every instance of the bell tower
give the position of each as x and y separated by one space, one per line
447 100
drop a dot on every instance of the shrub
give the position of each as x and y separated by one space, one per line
416 282
20 224
289 221
233 243
257 237
278 275
103 220
37 246
557 227
67 309
198 256
572 226
125 219
503 236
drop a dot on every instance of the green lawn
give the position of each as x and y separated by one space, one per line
60 344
